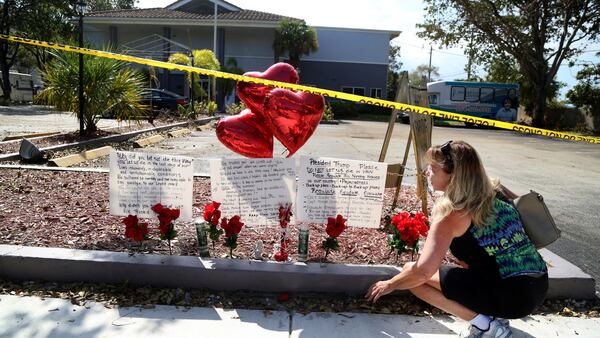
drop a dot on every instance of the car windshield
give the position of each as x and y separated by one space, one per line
160 93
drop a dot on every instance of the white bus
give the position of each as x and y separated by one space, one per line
498 101
22 86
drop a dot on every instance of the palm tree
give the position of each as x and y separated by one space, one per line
227 86
110 87
295 37
203 58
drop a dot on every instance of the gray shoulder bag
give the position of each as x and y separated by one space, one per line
537 221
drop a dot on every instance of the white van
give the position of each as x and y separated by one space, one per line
22 86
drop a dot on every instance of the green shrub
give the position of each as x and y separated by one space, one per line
110 87
211 108
235 108
328 113
344 109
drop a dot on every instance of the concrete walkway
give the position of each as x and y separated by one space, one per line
36 317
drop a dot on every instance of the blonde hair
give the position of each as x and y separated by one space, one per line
469 189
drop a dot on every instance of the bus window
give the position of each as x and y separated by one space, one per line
501 94
472 94
457 93
487 94
512 94
433 99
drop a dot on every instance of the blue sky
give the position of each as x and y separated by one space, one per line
394 15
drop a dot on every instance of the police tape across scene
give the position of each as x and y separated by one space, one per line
311 90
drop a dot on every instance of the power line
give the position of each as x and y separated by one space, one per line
435 50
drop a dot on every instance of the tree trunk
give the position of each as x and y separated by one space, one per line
539 107
539 103
5 69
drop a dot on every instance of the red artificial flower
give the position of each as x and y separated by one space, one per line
281 256
283 297
335 226
212 213
285 213
165 215
400 217
130 221
134 229
157 208
231 227
409 228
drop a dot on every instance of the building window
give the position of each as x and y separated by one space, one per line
376 93
354 90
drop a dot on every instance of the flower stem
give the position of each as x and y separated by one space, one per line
230 252
170 253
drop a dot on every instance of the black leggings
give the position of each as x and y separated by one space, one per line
510 298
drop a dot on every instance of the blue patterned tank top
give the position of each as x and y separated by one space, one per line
501 248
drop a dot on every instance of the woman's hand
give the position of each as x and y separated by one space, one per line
379 289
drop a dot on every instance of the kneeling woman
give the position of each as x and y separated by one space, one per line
502 274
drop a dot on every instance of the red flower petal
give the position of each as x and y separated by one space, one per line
157 208
283 297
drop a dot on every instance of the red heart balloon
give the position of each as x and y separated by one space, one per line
246 135
294 116
253 95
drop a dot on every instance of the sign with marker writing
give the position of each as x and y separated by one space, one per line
140 180
253 188
330 186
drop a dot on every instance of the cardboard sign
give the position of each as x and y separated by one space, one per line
329 186
253 188
140 180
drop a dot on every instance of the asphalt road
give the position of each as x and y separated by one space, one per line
566 173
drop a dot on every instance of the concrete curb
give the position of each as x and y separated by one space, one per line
65 265
110 138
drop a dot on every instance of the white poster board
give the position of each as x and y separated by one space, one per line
253 188
329 186
138 181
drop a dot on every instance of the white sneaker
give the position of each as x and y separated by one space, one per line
497 330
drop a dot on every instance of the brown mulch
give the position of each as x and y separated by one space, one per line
70 210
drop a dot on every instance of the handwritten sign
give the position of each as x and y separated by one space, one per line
140 180
253 188
329 186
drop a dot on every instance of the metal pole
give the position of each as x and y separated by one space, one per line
81 102
212 80
215 31
192 84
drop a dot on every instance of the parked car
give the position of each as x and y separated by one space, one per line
161 99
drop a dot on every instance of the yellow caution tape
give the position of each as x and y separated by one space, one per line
311 90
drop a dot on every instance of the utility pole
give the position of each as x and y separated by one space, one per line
429 68
211 81
192 84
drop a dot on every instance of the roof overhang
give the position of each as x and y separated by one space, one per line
180 22
220 3
393 34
